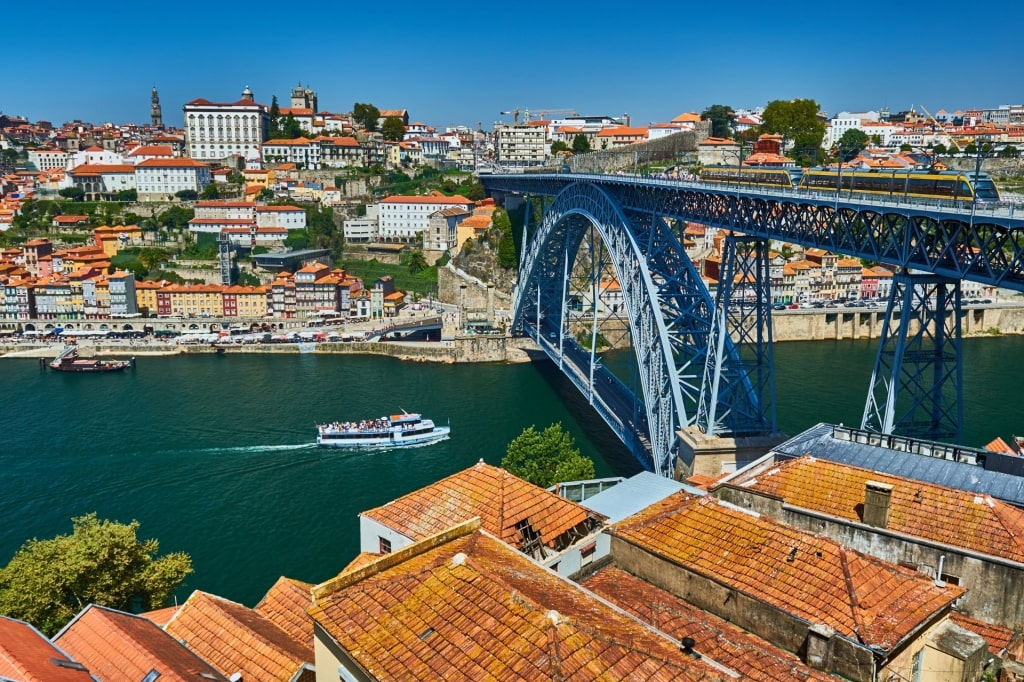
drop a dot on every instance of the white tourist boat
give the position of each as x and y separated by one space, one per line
398 430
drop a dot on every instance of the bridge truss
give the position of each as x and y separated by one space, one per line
707 363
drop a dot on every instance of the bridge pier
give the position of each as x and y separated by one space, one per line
708 455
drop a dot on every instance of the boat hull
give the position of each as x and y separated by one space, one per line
389 440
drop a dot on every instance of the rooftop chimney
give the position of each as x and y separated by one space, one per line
876 503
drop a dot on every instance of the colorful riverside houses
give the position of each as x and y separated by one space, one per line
842 611
555 532
26 655
115 645
463 605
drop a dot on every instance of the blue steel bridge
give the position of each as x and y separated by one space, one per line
706 361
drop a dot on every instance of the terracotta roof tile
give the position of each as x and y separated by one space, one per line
953 517
234 638
501 500
810 577
285 605
997 637
27 656
754 658
471 608
120 646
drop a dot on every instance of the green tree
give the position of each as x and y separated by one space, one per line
365 115
851 143
275 119
906 148
103 562
127 195
187 194
73 193
1009 152
547 457
152 258
940 149
393 129
416 262
722 119
290 128
506 246
210 192
580 144
558 146
796 120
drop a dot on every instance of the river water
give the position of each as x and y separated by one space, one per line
215 455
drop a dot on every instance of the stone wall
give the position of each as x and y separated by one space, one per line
671 148
860 323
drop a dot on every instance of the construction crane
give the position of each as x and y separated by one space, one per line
541 114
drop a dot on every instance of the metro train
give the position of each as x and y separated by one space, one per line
944 185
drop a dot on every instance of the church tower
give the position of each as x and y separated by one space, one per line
154 110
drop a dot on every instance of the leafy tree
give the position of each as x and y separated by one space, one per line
876 139
176 217
906 148
393 129
1009 152
275 119
953 149
547 457
290 128
472 189
558 146
722 119
103 562
187 194
210 192
852 142
127 195
416 262
73 193
506 247
152 258
940 148
797 121
580 144
365 115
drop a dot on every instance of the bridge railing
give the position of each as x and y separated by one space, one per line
1000 209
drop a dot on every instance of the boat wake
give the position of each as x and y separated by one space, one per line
239 450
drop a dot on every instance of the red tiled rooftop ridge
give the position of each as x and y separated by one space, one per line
500 499
471 608
810 577
952 517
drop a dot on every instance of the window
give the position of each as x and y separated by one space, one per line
384 545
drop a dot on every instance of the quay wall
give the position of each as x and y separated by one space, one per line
859 323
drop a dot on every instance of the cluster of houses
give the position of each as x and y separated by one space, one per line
839 555
39 282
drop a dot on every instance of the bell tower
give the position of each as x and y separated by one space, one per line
154 110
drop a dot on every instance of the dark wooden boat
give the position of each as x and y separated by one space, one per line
69 361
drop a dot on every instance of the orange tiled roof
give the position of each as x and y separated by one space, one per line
234 638
952 517
27 656
120 646
813 578
160 616
471 608
752 657
433 199
152 150
285 606
997 637
100 168
500 499
1000 445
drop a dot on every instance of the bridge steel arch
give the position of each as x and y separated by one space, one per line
668 307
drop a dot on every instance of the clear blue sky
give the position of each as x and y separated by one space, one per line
460 63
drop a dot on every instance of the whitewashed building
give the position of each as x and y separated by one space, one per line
48 159
288 217
406 218
217 130
297 151
102 181
163 177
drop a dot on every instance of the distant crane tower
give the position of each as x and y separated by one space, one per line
224 242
